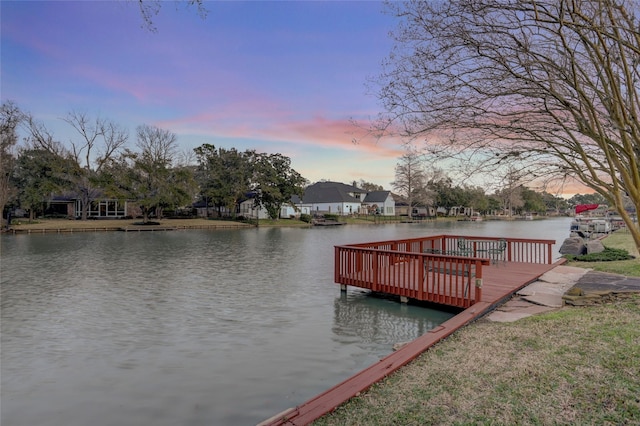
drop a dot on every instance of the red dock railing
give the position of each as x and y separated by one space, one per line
444 269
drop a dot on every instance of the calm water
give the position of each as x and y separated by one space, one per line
195 327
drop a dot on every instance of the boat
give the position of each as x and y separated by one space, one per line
476 217
590 227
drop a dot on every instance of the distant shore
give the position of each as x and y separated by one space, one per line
63 225
22 226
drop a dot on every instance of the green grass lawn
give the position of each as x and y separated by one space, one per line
620 240
571 366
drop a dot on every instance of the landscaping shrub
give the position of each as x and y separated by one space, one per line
609 254
305 218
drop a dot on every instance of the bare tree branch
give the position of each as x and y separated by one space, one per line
149 10
547 87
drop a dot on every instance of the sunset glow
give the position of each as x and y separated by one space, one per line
287 77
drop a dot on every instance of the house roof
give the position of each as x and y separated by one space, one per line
377 196
331 192
62 198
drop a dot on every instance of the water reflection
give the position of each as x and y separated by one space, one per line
373 321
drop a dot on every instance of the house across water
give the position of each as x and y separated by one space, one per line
344 200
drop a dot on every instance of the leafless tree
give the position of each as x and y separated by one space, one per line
155 183
39 137
157 145
550 88
510 192
410 177
100 140
149 9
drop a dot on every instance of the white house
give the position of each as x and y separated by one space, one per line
247 208
380 202
295 209
334 198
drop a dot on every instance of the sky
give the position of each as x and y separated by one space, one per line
288 77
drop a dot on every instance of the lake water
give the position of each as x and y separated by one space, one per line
194 327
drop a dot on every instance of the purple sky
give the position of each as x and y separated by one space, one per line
282 77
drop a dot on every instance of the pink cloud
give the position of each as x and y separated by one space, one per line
272 124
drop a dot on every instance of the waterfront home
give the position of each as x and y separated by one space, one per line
334 198
100 208
380 202
295 208
248 209
289 210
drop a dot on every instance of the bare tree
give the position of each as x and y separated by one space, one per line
41 138
159 146
154 181
149 9
100 140
410 176
510 192
549 87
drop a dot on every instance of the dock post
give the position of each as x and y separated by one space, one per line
343 287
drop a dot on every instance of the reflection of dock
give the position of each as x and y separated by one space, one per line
378 319
524 262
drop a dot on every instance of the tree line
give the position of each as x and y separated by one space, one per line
421 184
98 164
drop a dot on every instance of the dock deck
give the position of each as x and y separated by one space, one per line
500 280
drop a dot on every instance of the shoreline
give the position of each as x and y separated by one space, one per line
44 226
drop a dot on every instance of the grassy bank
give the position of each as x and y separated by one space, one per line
199 223
572 366
576 365
619 240
64 224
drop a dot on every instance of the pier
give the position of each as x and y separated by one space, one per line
443 269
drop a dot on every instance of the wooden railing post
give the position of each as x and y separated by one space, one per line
478 283
336 265
421 275
374 284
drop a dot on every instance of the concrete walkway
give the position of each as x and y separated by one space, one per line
564 285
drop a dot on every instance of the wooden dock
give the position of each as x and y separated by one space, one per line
443 269
500 280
